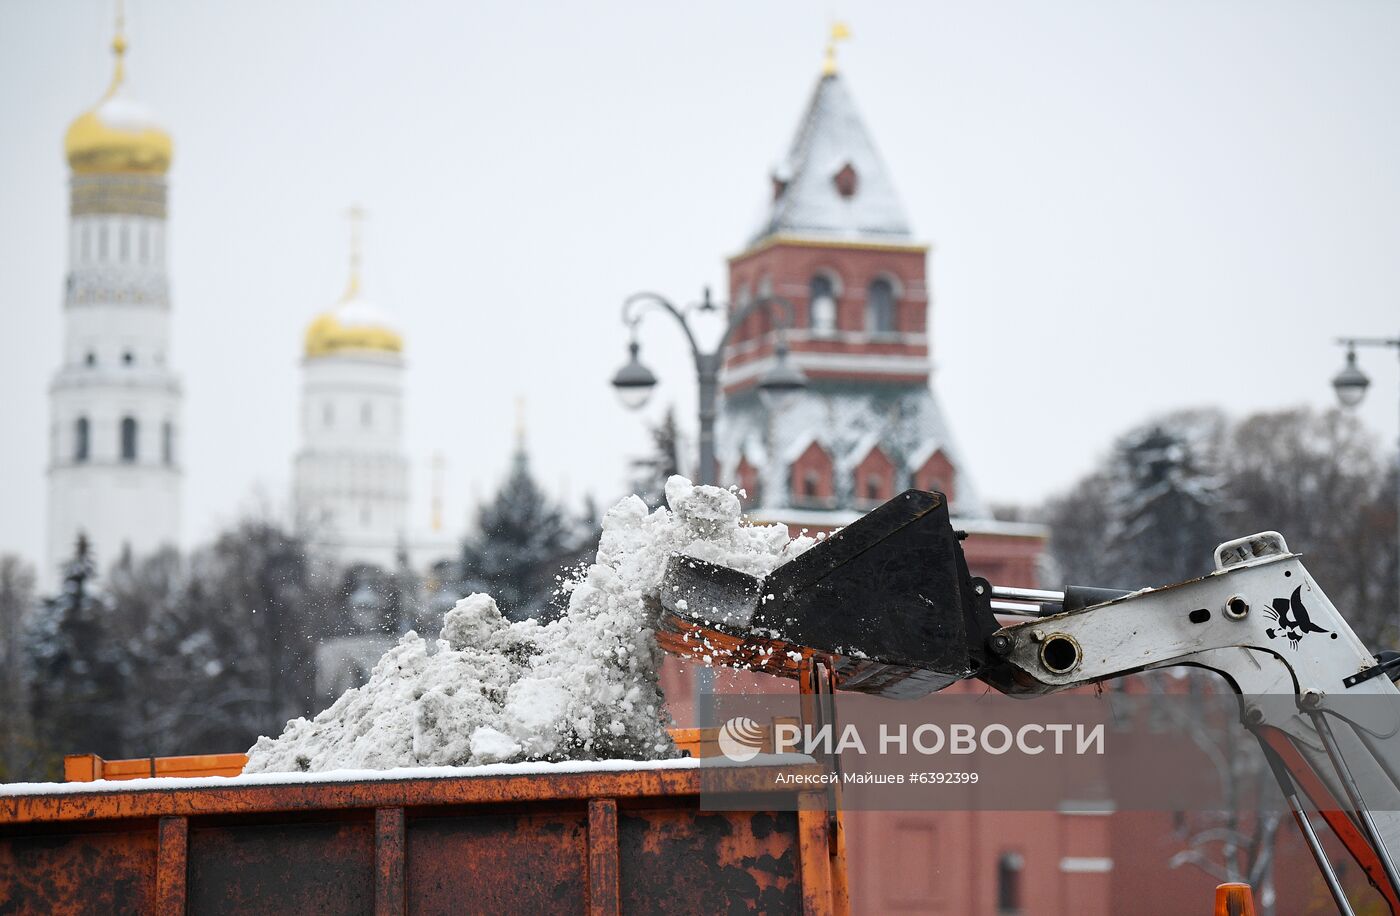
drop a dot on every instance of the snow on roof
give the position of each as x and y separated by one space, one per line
830 137
847 421
359 312
840 518
121 113
864 446
799 445
755 452
920 456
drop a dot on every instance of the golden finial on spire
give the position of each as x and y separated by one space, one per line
356 214
119 49
840 31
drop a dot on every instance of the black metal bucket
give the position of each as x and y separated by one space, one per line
888 600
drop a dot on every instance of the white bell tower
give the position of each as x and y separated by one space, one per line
351 476
114 403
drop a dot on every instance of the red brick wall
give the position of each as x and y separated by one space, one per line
788 270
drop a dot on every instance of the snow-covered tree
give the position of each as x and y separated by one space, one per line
219 645
1150 513
523 540
1166 492
143 593
77 667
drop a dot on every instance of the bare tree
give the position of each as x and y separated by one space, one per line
1318 478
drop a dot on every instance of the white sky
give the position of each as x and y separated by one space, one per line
1133 207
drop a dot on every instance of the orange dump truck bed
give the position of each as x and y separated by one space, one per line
608 839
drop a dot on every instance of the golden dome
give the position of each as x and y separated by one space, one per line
351 326
354 324
117 135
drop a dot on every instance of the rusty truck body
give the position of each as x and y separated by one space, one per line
605 838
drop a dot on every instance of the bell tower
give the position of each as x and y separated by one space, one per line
351 476
114 403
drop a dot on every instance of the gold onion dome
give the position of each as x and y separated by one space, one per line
354 325
117 135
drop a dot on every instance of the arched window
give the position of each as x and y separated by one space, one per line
90 359
102 242
125 245
822 304
128 358
128 438
87 242
167 443
81 439
880 307
366 414
327 414
145 243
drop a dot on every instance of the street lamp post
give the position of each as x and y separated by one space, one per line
634 381
1351 384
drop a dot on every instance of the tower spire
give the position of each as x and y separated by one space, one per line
119 50
520 424
840 31
356 214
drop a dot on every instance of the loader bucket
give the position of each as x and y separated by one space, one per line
887 602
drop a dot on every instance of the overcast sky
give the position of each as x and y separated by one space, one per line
1132 206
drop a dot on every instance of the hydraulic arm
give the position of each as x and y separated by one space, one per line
888 606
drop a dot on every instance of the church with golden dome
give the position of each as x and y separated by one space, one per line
115 400
350 488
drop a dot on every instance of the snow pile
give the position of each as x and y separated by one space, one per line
582 687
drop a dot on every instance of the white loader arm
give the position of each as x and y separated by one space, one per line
1261 622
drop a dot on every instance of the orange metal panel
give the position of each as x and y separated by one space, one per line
306 796
509 859
81 767
528 843
89 767
814 847
389 864
172 862
88 868
603 899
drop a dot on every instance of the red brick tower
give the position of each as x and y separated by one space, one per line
836 244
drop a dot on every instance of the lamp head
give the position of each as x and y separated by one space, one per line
1351 383
634 382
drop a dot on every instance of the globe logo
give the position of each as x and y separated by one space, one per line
740 739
